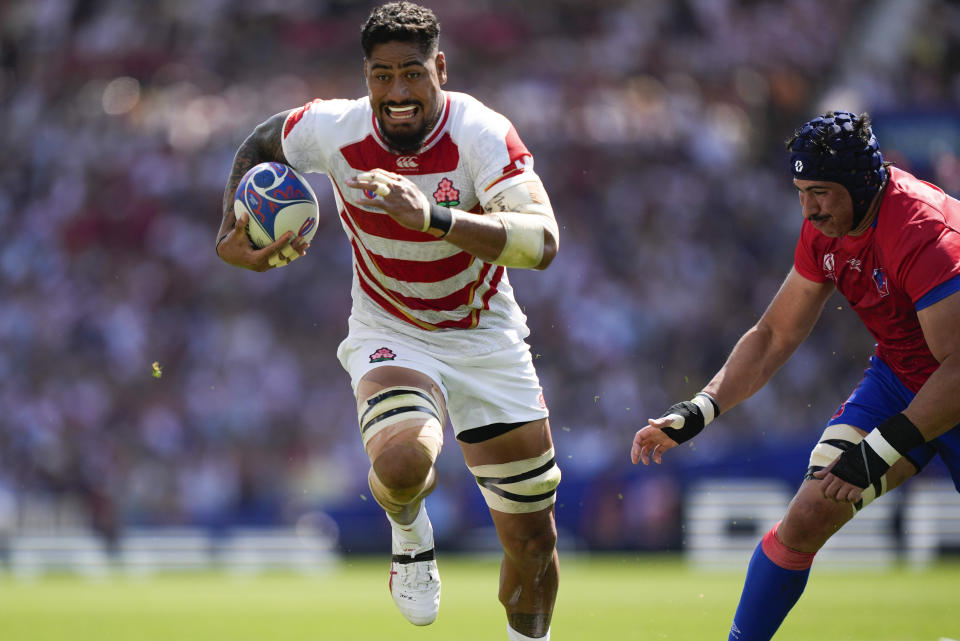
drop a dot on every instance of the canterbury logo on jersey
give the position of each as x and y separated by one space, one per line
407 162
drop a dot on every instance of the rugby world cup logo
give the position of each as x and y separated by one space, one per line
307 226
880 280
828 266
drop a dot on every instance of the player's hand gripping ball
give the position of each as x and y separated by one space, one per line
277 199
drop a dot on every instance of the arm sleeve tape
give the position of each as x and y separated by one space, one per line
880 445
525 231
900 433
878 451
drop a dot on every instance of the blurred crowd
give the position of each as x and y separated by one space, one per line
145 382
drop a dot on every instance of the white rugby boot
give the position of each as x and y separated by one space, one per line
414 580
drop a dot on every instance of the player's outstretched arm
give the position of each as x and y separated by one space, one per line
766 346
233 246
759 353
934 410
521 232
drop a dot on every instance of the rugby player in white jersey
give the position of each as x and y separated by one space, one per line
437 196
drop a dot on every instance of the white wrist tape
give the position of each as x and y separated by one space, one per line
884 450
425 206
703 401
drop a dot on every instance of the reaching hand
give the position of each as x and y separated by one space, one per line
835 488
682 421
652 442
863 465
236 249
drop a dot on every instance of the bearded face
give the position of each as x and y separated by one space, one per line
404 86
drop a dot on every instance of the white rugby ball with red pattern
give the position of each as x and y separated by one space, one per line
277 199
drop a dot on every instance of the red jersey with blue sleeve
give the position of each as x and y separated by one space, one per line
907 260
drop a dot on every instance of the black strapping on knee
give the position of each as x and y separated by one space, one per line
394 412
491 484
382 396
810 471
838 443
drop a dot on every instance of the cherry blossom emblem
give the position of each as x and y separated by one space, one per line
382 354
446 195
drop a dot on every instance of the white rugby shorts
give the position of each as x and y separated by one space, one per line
497 387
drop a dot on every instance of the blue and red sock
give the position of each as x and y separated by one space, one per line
775 580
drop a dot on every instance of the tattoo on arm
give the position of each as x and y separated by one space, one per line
519 198
497 203
264 144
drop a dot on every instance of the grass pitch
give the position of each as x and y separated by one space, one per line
617 598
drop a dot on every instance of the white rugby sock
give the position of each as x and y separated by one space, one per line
416 531
513 635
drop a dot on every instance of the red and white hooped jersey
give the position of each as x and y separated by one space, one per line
406 280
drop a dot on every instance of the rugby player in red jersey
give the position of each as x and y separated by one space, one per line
890 243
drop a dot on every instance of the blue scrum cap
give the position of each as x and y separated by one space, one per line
840 147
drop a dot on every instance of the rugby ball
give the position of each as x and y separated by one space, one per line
277 199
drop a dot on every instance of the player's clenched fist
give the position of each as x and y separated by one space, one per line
680 423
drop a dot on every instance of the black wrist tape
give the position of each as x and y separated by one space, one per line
693 422
441 218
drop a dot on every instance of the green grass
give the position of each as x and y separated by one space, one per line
616 598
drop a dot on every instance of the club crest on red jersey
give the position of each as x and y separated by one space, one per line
382 354
446 195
